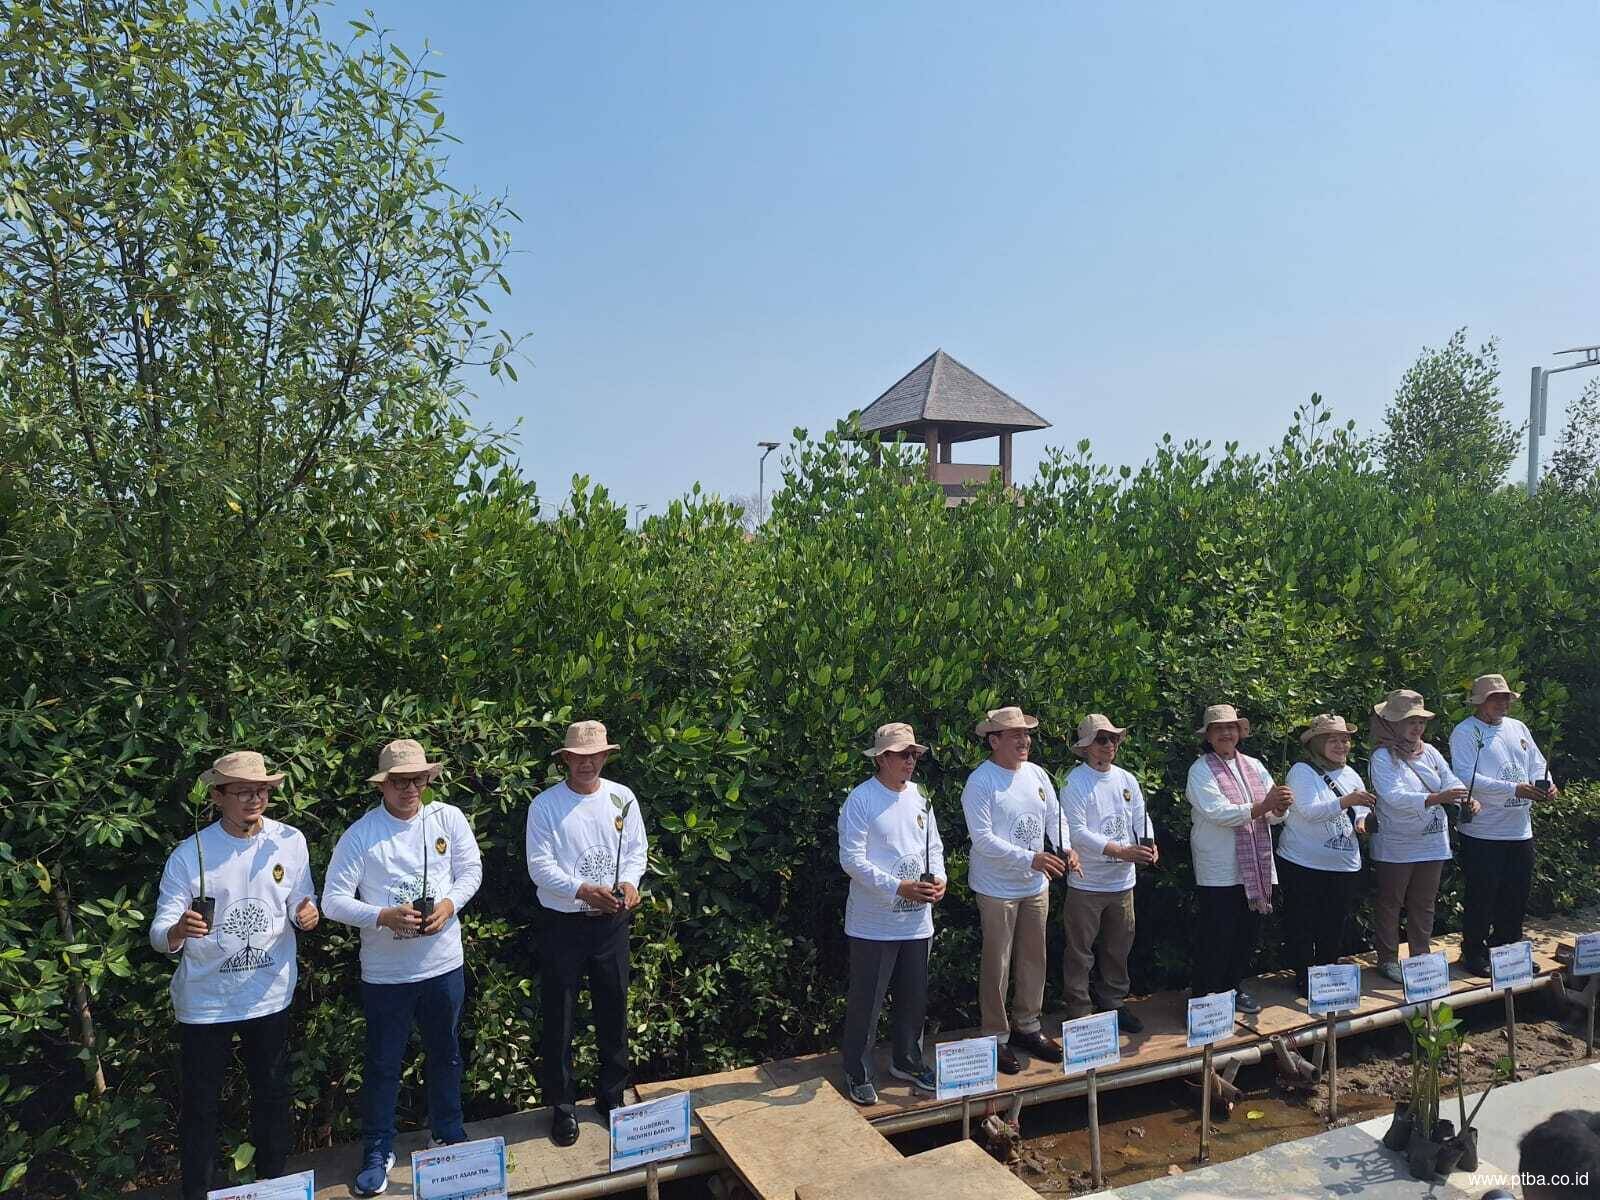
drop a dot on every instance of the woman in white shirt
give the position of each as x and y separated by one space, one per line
1234 801
1413 783
1318 857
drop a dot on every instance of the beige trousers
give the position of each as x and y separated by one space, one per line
1013 937
1106 917
1414 886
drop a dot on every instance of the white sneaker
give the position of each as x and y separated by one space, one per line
1391 970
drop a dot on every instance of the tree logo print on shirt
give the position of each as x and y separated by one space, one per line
1435 822
246 919
277 872
403 893
1114 829
1338 830
1028 831
597 865
909 867
1511 773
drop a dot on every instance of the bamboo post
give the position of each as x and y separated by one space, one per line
1511 1029
1331 1040
652 1182
966 1118
1205 1105
1094 1132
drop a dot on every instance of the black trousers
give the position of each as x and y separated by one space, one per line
1316 911
875 968
206 1053
1224 940
1498 876
572 946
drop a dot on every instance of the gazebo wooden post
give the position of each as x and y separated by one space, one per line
930 439
1005 458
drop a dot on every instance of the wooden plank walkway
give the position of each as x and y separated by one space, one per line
537 1165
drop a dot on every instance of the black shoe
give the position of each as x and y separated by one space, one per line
1246 1003
1128 1023
564 1130
1036 1044
604 1104
1476 966
1008 1062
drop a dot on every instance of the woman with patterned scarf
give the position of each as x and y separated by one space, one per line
1234 802
1413 782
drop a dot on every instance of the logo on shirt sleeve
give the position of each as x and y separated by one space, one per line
277 872
440 846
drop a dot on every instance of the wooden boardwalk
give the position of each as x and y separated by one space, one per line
767 1122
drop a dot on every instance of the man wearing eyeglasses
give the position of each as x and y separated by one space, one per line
401 874
889 846
1011 810
236 973
1106 821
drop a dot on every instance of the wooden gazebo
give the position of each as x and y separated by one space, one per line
941 402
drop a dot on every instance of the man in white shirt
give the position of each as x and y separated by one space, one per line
889 846
1496 756
1108 826
230 901
1011 809
401 875
586 854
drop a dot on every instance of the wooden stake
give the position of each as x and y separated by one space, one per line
1094 1132
1511 1029
1205 1105
1589 993
1331 1040
966 1118
652 1182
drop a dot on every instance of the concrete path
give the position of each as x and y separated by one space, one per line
1353 1162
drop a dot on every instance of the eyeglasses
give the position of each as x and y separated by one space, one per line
1106 739
913 755
246 791
404 783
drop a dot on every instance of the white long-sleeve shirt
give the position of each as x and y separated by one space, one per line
572 840
1215 820
245 967
1009 816
1409 830
885 838
1103 807
1318 832
380 863
1510 757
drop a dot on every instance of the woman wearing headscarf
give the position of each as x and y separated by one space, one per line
1234 801
1413 784
1318 857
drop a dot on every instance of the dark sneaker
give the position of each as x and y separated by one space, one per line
921 1078
863 1093
1476 966
1246 1003
1008 1062
564 1129
1036 1044
1128 1023
373 1178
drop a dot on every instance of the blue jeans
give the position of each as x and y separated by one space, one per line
434 1005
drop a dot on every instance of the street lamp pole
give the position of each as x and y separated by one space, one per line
761 481
1539 404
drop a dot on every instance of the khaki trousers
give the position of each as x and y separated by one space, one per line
1013 935
1108 918
1414 886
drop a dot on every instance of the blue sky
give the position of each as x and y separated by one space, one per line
1136 219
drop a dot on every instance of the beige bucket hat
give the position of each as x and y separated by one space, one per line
586 737
240 766
1401 705
1485 686
1224 714
896 735
405 757
1010 717
1091 725
1323 724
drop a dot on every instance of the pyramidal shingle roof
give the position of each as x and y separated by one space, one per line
941 391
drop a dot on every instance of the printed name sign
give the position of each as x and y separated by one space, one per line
1211 1018
1090 1042
1335 987
1509 964
1586 954
966 1068
1426 976
301 1186
650 1132
464 1171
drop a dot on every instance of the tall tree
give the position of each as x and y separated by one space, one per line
1576 462
1446 426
